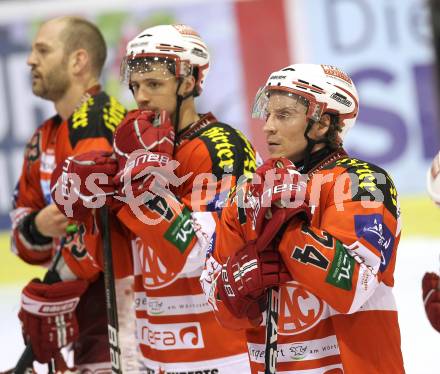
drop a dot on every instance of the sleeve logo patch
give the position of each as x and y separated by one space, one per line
181 231
342 267
374 231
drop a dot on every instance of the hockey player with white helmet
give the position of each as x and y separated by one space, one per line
327 237
175 167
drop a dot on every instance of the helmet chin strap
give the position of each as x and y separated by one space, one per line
179 101
310 144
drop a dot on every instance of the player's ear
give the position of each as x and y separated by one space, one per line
187 85
323 125
78 60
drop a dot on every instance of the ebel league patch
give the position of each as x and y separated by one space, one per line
181 231
374 231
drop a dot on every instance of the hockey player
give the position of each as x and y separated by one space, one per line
335 236
66 60
431 281
176 167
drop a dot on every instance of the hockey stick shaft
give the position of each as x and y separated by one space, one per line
110 293
270 358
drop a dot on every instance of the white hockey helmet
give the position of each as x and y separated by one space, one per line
180 46
326 88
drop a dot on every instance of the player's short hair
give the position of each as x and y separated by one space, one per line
80 33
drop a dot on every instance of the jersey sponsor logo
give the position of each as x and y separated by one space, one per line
313 349
33 149
299 309
171 305
166 337
374 231
218 202
146 262
181 231
98 116
342 268
299 351
230 151
48 163
75 243
211 245
371 183
221 146
113 113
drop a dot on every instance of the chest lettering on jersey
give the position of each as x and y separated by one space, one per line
300 310
154 273
166 337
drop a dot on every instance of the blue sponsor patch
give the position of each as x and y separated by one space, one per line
371 228
211 246
218 202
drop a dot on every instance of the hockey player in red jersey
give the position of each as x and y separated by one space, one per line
327 237
431 281
66 60
176 168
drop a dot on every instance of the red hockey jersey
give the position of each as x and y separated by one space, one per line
176 330
338 315
90 127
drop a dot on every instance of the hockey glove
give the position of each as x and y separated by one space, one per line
48 316
144 131
276 184
245 278
247 275
144 145
84 182
431 297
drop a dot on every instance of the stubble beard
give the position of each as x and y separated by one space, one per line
54 85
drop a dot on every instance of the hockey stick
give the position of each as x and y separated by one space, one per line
110 294
270 356
27 357
272 312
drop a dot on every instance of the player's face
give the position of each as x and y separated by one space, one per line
285 125
50 79
155 90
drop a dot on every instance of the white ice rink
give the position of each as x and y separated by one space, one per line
420 342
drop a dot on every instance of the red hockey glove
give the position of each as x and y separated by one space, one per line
431 298
276 184
143 131
245 278
48 316
142 170
247 275
84 182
